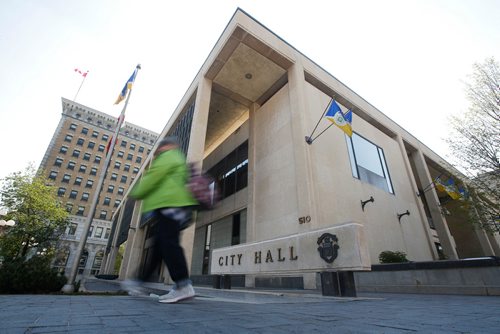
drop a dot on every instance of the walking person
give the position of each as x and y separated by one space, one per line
163 192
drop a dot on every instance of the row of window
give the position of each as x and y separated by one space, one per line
81 211
95 134
99 231
83 168
78 179
74 193
101 147
97 159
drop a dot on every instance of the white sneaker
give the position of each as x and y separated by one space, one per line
133 288
179 294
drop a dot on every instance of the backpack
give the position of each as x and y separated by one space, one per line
203 188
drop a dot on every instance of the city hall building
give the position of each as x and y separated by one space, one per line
245 118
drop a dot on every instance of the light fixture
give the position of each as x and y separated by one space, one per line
248 76
407 213
363 203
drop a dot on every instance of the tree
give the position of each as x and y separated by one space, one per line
474 141
39 216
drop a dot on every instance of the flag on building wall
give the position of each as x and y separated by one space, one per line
337 117
83 74
448 187
126 88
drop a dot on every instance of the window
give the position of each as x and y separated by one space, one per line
86 156
83 168
58 162
95 134
93 171
120 190
85 197
123 143
132 146
97 159
141 149
136 170
83 261
231 172
368 162
71 165
108 232
81 210
78 181
98 231
91 145
61 191
72 126
85 131
123 179
72 229
126 167
91 229
66 178
63 149
68 138
111 188
117 165
103 214
73 194
52 175
117 203
80 142
138 159
96 266
106 201
149 151
76 153
105 137
129 156
69 207
120 154
101 148
89 184
114 176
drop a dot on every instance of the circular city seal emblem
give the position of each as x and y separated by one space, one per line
328 247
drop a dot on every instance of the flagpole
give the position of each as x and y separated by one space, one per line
308 138
69 287
78 91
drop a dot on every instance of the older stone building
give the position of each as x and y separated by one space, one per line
245 118
73 162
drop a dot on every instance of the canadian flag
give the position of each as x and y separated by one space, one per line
83 74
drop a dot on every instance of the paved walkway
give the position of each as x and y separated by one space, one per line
245 311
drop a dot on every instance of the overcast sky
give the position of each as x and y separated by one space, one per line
407 58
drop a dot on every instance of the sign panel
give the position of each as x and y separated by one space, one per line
336 248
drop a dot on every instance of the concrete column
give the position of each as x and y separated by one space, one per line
420 205
196 149
305 191
484 241
442 229
495 243
135 246
250 230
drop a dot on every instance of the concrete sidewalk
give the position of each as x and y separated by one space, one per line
248 311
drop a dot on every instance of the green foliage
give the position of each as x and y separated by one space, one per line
32 276
40 217
392 257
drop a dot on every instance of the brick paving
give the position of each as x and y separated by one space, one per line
250 311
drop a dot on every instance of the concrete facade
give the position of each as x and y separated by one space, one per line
255 99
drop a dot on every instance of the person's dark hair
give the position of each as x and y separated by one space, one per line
169 140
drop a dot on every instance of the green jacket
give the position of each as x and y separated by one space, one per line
163 185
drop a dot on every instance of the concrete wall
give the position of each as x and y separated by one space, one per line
463 281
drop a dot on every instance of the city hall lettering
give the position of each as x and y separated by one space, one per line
268 256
